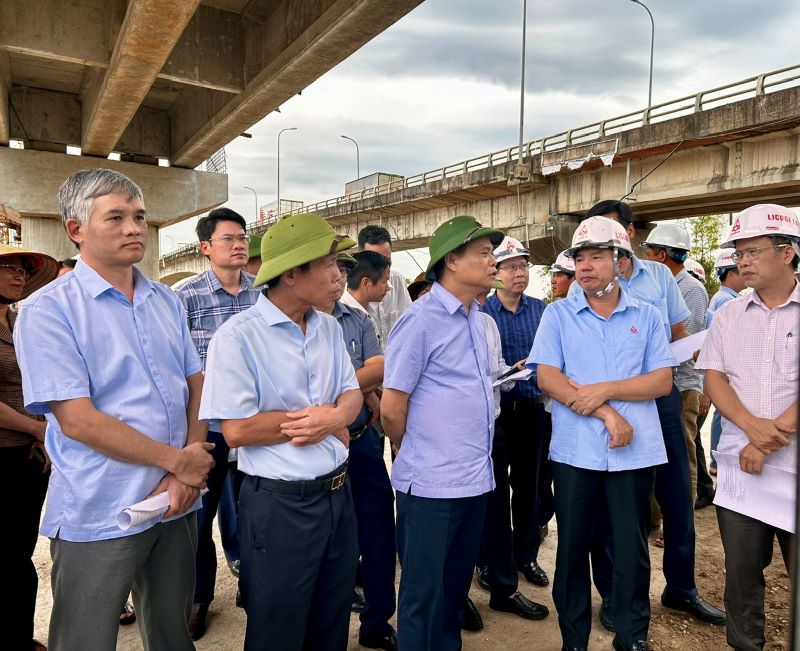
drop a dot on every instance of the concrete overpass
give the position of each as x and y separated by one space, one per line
714 152
159 86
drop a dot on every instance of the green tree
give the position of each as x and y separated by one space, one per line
706 232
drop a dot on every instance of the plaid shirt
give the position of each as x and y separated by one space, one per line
517 330
208 306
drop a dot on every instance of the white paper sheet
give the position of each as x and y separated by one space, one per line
768 497
146 511
520 376
684 349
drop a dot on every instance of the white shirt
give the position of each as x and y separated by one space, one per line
497 365
386 313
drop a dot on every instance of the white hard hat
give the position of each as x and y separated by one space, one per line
600 232
725 259
670 236
510 248
764 219
564 264
695 268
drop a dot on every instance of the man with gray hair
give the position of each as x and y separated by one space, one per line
107 357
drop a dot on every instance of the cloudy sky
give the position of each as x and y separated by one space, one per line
442 85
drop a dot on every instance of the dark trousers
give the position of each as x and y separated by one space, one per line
527 428
579 495
497 542
206 558
705 484
373 499
437 540
228 516
748 545
673 491
299 556
24 487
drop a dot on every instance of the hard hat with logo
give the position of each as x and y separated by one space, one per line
696 269
763 219
724 259
453 234
295 240
669 236
563 264
600 233
510 248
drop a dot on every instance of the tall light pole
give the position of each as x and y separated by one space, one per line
279 166
358 158
255 195
522 78
652 44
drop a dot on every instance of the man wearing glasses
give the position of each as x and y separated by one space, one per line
210 300
522 417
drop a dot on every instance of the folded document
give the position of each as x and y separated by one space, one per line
146 511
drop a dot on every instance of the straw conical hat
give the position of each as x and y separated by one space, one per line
42 267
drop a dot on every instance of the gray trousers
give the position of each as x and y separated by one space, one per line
92 580
748 550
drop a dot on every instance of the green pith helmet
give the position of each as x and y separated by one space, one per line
295 240
254 250
455 232
347 260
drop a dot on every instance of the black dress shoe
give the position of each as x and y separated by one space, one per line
638 645
520 605
535 574
387 641
358 601
197 622
482 574
698 608
703 501
471 619
606 618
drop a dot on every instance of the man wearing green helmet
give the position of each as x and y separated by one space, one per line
280 380
438 411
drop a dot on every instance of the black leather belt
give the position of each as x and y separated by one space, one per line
331 482
522 405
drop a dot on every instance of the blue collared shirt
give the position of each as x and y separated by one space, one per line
653 283
79 337
259 361
588 349
719 299
208 305
438 354
517 330
361 340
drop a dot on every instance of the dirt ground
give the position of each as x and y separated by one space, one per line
503 632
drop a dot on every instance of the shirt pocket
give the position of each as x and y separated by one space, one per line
786 356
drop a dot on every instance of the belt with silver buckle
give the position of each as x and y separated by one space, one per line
331 482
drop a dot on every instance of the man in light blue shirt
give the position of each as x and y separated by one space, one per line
280 380
438 409
107 357
603 357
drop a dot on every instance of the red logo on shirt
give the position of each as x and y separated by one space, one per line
634 330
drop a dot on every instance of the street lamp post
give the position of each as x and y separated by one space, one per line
522 78
358 157
652 44
279 166
255 196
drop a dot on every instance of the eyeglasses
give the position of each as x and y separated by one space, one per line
754 252
228 240
16 270
514 268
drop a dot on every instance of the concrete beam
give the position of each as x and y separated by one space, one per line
299 42
29 181
149 32
5 89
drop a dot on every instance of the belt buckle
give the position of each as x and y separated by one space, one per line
338 481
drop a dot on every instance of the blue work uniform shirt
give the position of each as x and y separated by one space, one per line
517 330
438 354
259 361
719 299
654 284
588 348
79 337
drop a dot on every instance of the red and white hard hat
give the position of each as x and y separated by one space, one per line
764 219
564 264
695 268
510 248
601 233
670 236
724 259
